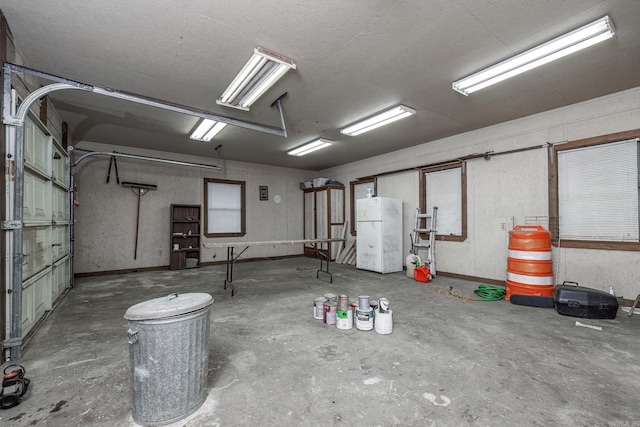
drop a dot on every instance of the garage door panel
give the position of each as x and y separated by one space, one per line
59 208
60 242
42 295
58 166
60 278
36 246
37 146
41 202
28 209
28 248
37 199
36 298
27 310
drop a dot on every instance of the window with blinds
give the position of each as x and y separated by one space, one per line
224 201
598 192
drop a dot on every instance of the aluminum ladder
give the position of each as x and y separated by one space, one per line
417 243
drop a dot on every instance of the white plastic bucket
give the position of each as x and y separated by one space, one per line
384 322
330 312
411 261
344 319
364 319
318 308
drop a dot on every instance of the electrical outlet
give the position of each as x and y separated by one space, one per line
503 226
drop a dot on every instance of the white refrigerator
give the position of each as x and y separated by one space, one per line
379 238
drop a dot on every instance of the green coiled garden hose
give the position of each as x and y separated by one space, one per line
489 293
485 292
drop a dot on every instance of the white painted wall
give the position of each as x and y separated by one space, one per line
514 185
106 217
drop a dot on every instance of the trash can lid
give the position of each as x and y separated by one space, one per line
169 306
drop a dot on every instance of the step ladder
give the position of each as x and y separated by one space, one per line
418 243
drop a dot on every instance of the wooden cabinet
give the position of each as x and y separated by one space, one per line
323 217
185 236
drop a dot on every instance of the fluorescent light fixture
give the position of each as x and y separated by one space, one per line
207 129
310 147
262 70
576 40
381 119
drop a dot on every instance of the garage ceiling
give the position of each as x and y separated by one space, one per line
353 58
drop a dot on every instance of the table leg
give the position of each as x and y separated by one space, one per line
324 257
231 260
229 278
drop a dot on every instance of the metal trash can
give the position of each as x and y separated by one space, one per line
168 352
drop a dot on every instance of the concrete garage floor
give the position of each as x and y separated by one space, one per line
447 362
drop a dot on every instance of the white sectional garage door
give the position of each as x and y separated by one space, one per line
45 270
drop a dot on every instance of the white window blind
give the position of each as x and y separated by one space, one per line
224 208
444 190
598 192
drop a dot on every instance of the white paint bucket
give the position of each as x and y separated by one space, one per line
344 319
411 261
384 322
330 312
364 319
318 308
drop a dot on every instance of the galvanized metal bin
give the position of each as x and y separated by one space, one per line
168 352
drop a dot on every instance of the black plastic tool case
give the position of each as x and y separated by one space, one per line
574 300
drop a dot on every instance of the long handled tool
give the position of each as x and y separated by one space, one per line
114 162
139 190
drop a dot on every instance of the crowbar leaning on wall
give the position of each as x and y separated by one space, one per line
139 190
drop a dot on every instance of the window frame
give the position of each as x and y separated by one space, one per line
243 214
352 195
463 190
554 203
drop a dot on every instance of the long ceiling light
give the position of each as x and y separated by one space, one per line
207 129
262 70
576 40
381 119
310 147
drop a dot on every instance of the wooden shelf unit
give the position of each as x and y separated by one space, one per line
323 218
186 233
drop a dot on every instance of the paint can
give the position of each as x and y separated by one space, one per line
383 305
364 319
330 312
384 322
343 302
344 319
363 303
318 308
331 297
